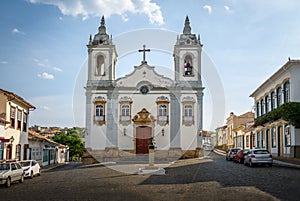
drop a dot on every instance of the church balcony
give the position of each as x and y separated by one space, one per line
99 118
188 120
125 120
162 120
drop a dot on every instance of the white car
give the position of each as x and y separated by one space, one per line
31 168
11 172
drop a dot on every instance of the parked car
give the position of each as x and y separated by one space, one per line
31 168
11 172
239 157
231 153
258 156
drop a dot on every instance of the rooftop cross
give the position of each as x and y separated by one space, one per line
144 50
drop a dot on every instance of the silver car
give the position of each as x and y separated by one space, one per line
11 172
258 156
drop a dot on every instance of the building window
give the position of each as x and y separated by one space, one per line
258 140
267 104
286 91
287 133
25 122
188 65
247 141
162 110
273 136
19 119
100 71
273 98
188 114
12 117
99 113
253 140
262 106
257 109
125 112
263 139
18 152
279 93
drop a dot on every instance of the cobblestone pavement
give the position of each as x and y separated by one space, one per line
210 178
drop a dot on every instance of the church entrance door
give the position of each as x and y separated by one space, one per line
143 134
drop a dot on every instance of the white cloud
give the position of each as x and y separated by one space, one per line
3 62
57 69
208 8
46 76
60 18
107 8
15 30
44 107
227 9
125 17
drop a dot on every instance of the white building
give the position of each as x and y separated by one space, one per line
123 114
280 138
14 113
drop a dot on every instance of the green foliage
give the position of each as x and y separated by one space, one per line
289 112
72 139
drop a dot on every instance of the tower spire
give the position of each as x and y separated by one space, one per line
102 27
187 27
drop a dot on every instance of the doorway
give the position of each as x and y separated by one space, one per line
143 134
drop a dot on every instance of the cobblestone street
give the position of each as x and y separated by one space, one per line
212 178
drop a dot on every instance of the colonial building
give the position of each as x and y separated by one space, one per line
14 113
234 124
123 114
277 135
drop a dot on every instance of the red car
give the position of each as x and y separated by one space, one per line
239 157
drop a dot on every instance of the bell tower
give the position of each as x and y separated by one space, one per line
187 56
102 56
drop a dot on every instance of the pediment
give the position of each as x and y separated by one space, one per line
144 74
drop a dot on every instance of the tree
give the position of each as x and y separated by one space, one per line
71 139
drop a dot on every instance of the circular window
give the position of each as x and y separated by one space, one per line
144 89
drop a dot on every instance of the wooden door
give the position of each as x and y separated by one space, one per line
143 134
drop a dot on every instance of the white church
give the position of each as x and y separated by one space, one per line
124 114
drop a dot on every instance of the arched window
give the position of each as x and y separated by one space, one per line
257 109
273 98
188 110
99 110
279 93
286 88
267 104
162 110
188 65
125 110
262 106
100 66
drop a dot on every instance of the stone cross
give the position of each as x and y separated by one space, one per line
144 50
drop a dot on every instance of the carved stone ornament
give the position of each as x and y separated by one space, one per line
143 118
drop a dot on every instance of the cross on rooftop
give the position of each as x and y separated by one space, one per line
144 50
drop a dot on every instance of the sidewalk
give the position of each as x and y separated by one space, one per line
51 166
284 162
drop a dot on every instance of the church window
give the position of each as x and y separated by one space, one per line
99 113
162 110
125 110
188 110
100 71
188 65
188 114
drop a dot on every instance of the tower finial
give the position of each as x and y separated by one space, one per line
102 28
187 27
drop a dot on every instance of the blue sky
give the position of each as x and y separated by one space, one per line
43 47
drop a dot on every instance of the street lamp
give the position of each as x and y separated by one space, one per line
12 139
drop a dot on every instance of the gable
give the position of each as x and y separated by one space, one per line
144 74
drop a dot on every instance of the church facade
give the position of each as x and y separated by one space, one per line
124 114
